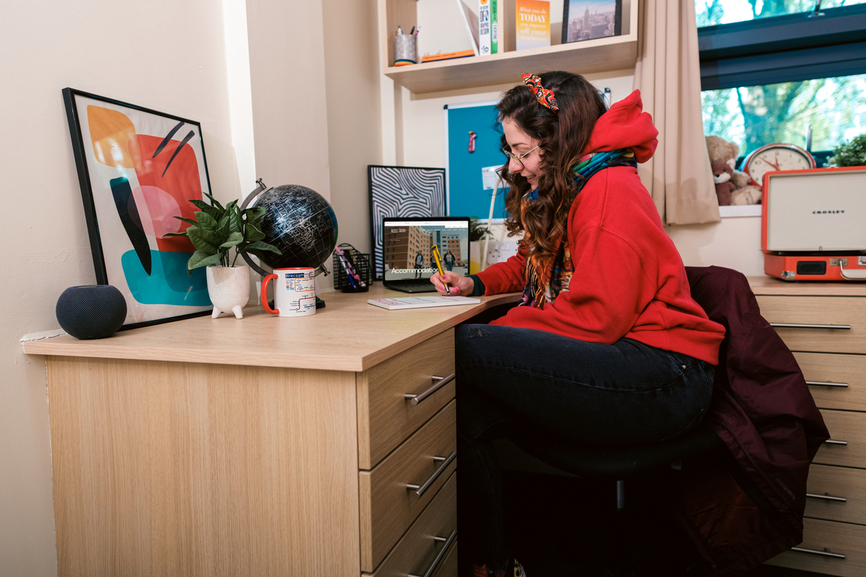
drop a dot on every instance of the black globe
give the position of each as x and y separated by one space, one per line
299 222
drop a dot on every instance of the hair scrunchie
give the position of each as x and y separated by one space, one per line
543 95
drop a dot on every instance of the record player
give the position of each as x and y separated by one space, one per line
814 224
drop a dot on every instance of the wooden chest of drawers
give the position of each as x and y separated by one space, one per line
824 324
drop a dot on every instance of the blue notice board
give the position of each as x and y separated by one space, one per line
467 195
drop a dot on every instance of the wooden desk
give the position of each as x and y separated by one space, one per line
261 446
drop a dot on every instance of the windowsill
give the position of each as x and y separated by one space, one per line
739 211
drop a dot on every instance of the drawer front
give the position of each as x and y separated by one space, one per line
826 489
448 566
839 539
388 506
847 443
423 543
843 378
385 416
813 312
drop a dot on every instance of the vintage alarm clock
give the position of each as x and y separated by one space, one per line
773 157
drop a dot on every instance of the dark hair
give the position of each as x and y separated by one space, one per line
563 137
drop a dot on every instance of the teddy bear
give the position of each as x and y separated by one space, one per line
733 187
722 172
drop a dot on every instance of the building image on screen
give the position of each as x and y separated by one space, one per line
407 249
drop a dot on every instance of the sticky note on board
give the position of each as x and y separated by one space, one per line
489 177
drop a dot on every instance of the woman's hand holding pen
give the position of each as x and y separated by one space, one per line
459 285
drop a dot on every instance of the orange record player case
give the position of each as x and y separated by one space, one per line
813 224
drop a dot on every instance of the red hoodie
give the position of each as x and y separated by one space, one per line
629 280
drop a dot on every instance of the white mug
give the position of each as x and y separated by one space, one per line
294 292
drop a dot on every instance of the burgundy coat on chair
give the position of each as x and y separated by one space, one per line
762 409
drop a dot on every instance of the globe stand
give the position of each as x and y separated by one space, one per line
251 199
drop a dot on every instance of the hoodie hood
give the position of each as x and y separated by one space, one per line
625 125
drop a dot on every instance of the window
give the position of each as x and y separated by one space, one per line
773 69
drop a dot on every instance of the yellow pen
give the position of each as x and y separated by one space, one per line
438 260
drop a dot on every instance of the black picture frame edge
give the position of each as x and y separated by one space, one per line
377 274
95 239
617 24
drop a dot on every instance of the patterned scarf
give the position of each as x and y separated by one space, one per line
545 279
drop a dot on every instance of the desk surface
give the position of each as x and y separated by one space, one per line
347 335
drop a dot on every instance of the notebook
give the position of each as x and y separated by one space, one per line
407 256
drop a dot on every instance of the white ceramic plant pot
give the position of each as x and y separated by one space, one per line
229 289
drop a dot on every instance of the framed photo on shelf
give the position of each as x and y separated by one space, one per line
589 19
402 191
137 170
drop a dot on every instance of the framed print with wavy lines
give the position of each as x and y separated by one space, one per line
402 191
137 170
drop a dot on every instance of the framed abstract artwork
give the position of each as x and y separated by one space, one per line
401 191
137 170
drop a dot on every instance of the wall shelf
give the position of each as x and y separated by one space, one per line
585 57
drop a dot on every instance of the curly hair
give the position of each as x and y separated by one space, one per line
563 137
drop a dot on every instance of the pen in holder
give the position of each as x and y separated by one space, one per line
404 50
352 272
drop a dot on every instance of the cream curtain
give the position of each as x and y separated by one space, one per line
668 75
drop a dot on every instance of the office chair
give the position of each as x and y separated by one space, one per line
645 464
620 462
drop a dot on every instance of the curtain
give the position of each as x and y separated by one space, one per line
667 74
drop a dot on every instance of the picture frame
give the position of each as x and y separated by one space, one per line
137 170
590 19
402 191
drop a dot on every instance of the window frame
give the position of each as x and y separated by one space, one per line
788 48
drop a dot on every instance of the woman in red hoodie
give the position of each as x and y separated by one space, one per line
607 344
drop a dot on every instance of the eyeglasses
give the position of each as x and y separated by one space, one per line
518 158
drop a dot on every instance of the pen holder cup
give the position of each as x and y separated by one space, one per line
361 263
405 50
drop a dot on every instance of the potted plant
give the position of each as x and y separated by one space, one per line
850 154
214 232
477 233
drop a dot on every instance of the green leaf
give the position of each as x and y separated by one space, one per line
214 201
262 246
235 223
205 207
207 221
199 259
253 233
204 240
186 220
174 234
234 239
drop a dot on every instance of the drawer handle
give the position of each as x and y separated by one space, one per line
827 384
835 442
827 497
421 489
824 553
438 559
802 326
438 383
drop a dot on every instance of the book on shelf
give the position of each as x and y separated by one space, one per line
488 27
470 19
447 56
532 23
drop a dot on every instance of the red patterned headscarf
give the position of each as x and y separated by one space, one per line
545 97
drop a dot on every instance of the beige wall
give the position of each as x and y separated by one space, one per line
262 95
289 91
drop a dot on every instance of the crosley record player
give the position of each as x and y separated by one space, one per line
814 224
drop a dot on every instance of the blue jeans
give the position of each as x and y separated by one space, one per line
622 393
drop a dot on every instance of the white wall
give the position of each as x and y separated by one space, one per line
246 87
